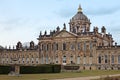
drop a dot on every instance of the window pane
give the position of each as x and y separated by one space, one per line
90 45
71 59
47 47
64 46
84 46
56 46
106 59
90 60
112 58
84 60
78 46
72 47
56 59
99 59
64 59
78 60
47 59
119 59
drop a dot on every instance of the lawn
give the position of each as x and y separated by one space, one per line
59 75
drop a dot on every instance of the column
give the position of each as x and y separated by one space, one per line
17 69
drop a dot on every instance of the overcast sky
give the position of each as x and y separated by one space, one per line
22 20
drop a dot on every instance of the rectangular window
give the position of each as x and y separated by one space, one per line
42 60
99 59
64 59
84 60
56 59
56 46
90 45
84 46
72 47
106 59
52 46
112 58
47 47
78 46
64 46
119 59
90 60
78 60
71 59
47 59
42 47
37 60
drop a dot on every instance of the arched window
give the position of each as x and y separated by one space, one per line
112 58
64 59
37 60
71 59
56 59
118 59
78 60
84 28
28 59
99 59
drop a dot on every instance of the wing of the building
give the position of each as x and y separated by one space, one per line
78 46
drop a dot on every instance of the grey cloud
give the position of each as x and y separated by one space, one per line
11 24
103 11
113 29
68 12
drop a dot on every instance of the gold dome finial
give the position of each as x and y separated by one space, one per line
79 9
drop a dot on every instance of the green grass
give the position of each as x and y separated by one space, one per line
59 75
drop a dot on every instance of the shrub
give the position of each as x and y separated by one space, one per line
40 69
5 69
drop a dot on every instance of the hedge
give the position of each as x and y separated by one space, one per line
32 69
5 69
40 69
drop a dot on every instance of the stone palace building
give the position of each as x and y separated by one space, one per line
90 50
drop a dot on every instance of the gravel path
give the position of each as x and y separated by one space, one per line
88 78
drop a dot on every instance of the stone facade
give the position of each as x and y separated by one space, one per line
20 55
79 46
90 50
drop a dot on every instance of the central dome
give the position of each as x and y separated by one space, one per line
80 15
79 22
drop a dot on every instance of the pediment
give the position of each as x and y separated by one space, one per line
65 34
